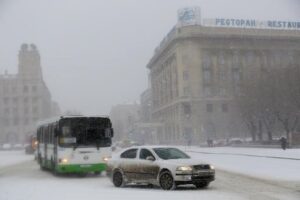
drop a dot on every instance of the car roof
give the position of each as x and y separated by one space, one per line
150 147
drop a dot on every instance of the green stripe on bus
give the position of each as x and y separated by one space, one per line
81 168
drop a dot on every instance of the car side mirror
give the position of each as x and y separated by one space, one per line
151 158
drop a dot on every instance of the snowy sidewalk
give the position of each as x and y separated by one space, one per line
8 158
272 164
292 154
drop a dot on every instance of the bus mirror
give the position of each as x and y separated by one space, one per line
109 132
56 132
112 132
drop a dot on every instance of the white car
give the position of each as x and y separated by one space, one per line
6 146
166 167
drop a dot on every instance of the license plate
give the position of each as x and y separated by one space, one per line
203 173
85 166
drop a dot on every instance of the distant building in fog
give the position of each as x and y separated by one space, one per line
147 129
199 66
124 117
24 98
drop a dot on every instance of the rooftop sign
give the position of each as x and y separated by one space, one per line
251 23
191 16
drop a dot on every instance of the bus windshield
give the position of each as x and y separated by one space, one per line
85 132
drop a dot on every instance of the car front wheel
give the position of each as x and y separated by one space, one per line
118 179
166 181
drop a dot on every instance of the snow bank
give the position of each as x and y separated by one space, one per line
270 164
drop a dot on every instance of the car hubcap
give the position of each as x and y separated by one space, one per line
118 179
166 181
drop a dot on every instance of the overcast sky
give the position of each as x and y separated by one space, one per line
94 52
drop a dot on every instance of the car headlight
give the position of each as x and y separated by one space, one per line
184 168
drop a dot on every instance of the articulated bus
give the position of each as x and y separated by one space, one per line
74 144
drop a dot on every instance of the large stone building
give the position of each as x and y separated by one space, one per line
199 65
24 98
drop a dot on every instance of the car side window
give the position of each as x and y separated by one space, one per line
131 153
144 153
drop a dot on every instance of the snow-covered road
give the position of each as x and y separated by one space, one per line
24 180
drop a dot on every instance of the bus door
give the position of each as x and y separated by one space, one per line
55 141
46 139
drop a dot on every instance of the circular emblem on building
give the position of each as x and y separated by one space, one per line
85 157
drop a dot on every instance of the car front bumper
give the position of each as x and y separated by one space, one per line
195 177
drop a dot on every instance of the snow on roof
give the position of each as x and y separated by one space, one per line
57 118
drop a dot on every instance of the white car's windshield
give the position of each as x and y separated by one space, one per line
170 153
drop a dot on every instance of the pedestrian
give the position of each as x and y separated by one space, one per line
283 142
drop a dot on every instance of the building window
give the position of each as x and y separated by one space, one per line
235 58
6 122
186 91
35 110
25 100
206 61
7 111
236 75
35 100
187 109
209 107
15 111
221 58
25 89
26 121
207 76
6 100
222 91
250 57
34 88
225 107
14 89
185 75
16 121
26 110
15 100
223 74
207 91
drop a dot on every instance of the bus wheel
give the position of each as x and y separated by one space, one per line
97 173
82 175
42 167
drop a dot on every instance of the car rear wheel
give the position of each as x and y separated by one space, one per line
166 181
201 184
118 179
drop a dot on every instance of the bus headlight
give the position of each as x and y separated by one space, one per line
63 160
106 158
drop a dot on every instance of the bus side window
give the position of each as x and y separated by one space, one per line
46 135
42 135
52 133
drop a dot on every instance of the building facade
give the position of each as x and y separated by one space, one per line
24 98
197 69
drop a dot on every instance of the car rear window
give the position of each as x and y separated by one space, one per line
130 153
